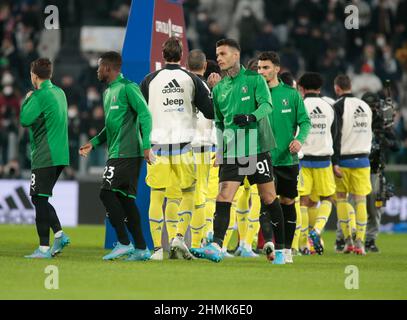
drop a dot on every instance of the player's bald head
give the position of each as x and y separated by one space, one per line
196 60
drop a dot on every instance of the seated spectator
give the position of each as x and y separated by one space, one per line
366 81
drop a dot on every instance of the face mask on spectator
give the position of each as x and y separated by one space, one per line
8 91
7 79
93 96
72 113
93 62
380 41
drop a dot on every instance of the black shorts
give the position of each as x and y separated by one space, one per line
121 175
257 169
43 180
286 180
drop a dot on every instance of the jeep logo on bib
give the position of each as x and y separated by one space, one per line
173 102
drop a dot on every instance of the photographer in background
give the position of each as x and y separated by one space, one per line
384 139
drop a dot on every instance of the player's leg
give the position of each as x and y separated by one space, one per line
232 221
373 216
133 223
351 204
271 214
116 173
210 204
305 186
227 191
184 168
324 186
173 197
301 191
203 164
243 212
43 226
253 223
313 209
158 179
287 178
360 188
231 229
42 183
342 187
296 239
229 182
61 240
126 181
171 216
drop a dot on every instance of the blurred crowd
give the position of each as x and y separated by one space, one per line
21 23
308 34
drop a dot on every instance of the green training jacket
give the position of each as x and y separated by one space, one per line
127 120
45 113
247 93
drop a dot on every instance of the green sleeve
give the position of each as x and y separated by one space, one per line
139 104
303 120
30 111
218 115
219 124
263 99
99 139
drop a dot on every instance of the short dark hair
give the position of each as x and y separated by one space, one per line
172 49
42 68
311 81
212 67
343 82
230 43
113 59
252 64
196 60
271 56
287 78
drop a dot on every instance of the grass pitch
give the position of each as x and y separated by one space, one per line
83 274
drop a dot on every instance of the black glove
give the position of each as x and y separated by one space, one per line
243 120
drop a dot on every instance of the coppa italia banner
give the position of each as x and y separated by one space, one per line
16 206
168 22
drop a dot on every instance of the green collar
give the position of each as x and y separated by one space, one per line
119 78
46 84
280 84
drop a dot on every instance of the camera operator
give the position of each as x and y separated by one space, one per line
384 139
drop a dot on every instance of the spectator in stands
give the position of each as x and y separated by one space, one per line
248 26
267 39
121 10
72 90
330 66
401 23
93 98
368 57
387 65
290 58
401 130
383 20
333 31
96 123
277 12
74 130
366 81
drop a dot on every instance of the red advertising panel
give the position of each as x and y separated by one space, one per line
168 21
